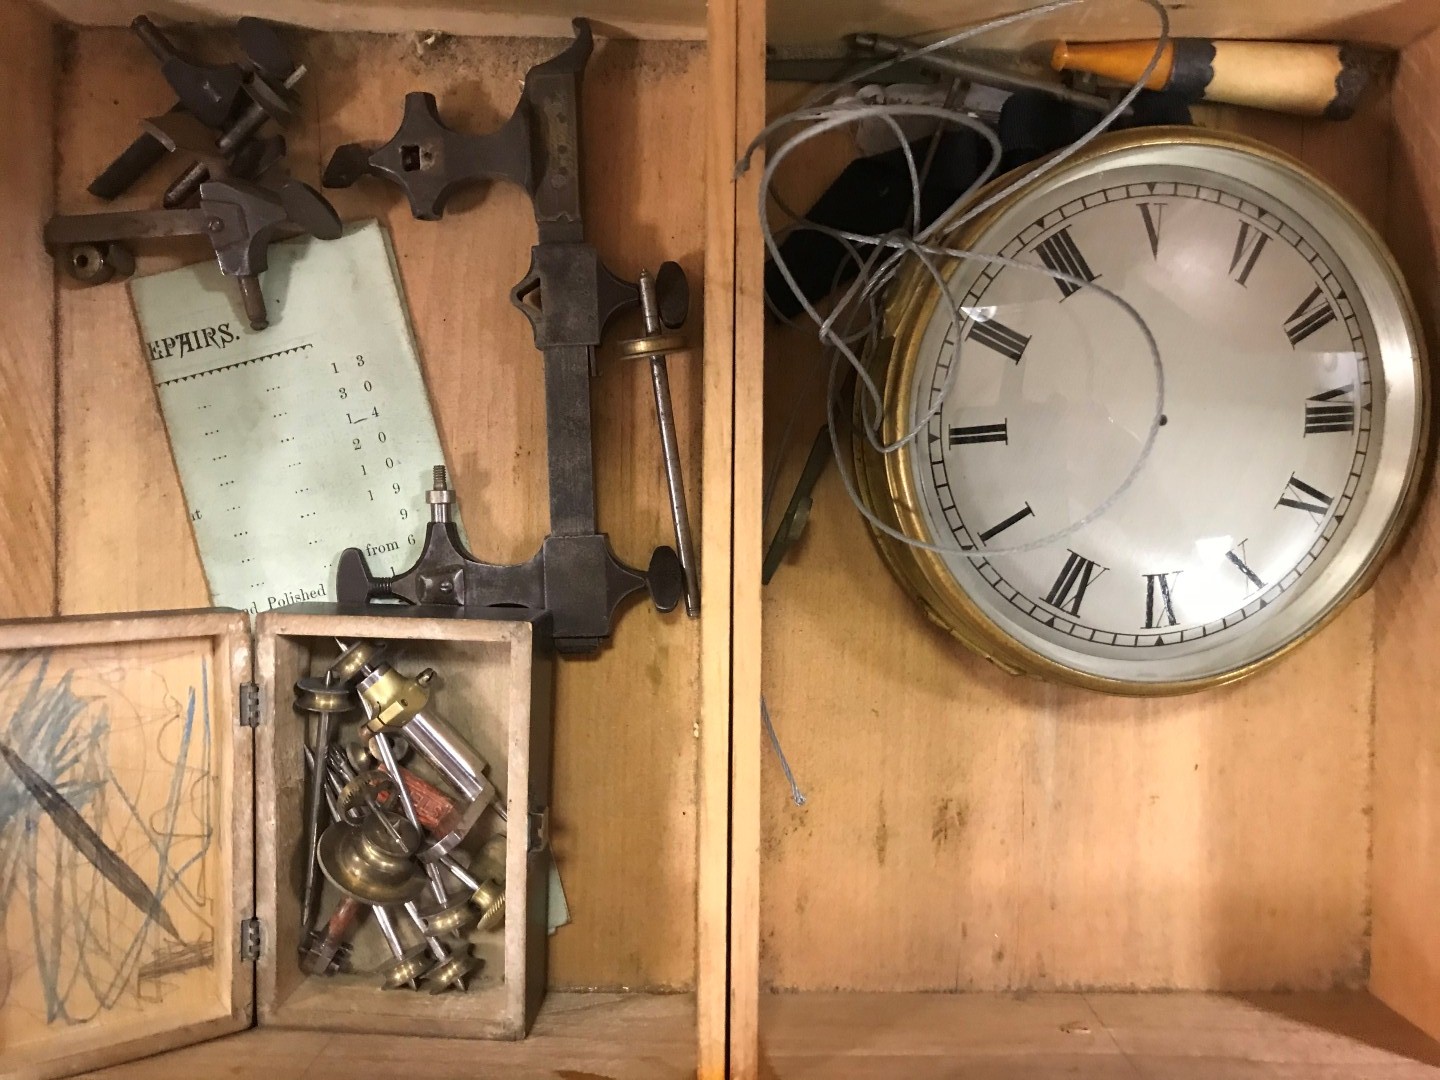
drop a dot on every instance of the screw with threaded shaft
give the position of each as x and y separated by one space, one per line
440 497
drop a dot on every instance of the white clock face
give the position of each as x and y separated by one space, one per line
1239 530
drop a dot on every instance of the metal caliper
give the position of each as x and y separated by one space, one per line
570 297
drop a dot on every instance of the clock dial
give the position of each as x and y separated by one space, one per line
1240 495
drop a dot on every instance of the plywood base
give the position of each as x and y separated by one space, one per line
577 1037
1089 1036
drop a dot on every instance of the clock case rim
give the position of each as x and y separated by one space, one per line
908 309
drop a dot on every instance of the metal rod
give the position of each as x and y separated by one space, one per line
679 512
436 949
126 225
381 742
670 450
461 874
951 64
311 897
388 931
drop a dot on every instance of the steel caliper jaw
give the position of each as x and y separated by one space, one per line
577 579
430 162
570 297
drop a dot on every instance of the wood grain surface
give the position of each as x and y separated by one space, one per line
28 68
625 760
1383 22
1405 953
577 1037
133 724
712 916
648 19
1091 1036
853 1036
962 826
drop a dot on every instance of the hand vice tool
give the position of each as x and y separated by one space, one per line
570 297
213 94
240 220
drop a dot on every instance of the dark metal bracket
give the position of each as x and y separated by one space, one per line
570 297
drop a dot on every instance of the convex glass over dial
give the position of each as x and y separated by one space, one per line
1139 527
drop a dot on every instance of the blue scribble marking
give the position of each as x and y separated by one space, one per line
72 833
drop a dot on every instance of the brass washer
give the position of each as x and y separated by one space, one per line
652 345
314 694
452 972
406 970
347 670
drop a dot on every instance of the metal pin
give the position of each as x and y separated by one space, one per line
670 447
949 63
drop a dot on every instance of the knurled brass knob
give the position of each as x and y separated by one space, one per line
489 898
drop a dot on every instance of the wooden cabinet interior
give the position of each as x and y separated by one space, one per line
90 485
966 830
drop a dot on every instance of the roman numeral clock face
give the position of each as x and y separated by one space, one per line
1282 450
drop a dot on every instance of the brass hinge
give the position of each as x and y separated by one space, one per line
249 705
250 939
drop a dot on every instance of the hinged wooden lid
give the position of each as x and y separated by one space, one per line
126 837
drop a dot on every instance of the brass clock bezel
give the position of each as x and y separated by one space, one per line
886 484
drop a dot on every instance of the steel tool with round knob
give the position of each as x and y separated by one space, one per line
664 305
395 702
443 914
410 965
240 220
452 966
318 696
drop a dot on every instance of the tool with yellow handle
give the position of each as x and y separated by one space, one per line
1292 77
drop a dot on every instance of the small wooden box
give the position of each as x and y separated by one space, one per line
494 681
160 835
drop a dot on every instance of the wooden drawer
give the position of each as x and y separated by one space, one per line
991 875
969 835
639 760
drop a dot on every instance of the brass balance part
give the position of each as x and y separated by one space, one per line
406 969
453 971
391 699
454 918
355 661
316 694
321 696
373 861
362 754
364 794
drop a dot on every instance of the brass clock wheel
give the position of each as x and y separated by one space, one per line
1131 527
